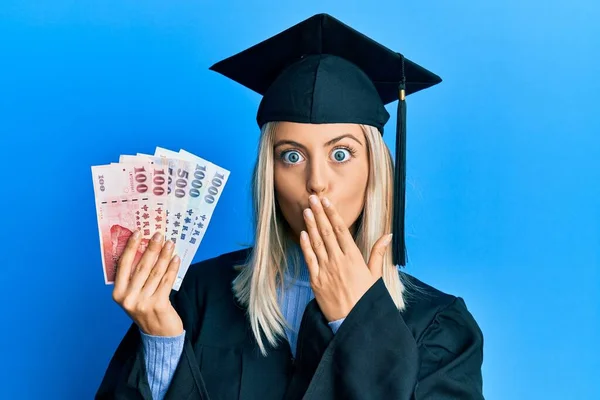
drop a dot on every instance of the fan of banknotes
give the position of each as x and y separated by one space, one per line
173 193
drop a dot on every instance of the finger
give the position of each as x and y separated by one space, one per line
324 226
158 270
342 233
142 270
126 260
166 283
317 244
309 256
377 254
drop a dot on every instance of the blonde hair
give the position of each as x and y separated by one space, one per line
261 276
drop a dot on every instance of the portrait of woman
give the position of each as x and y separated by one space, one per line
261 200
319 307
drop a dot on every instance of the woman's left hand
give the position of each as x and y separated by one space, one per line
338 274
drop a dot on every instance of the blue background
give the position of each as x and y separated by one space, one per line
503 167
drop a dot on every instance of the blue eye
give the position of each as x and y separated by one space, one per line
338 155
293 158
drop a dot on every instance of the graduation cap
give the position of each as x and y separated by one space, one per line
323 71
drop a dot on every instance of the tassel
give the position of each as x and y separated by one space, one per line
398 244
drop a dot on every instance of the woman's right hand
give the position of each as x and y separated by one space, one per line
144 293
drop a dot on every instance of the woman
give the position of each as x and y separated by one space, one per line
317 309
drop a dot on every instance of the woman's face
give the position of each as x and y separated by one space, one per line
328 160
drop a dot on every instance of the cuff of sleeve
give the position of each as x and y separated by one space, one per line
335 325
162 339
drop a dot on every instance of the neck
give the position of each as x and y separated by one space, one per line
297 263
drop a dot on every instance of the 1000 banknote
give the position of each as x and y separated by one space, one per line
172 193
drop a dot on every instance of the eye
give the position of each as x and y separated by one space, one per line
341 155
291 156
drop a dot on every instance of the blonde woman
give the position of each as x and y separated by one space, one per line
317 308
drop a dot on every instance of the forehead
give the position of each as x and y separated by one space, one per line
316 133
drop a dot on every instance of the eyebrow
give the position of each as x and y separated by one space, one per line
332 141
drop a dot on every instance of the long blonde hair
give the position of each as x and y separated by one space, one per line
262 274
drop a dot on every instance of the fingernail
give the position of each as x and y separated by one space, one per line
176 259
169 245
388 239
157 237
325 202
313 200
303 235
309 214
136 234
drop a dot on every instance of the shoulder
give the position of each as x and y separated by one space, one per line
429 310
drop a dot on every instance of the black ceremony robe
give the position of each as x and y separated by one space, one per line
431 350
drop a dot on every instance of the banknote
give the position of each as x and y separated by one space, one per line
122 206
174 193
178 193
209 181
159 187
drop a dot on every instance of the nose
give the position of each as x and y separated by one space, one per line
317 181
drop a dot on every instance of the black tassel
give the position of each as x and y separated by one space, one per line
398 240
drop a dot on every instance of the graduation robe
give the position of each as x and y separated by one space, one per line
431 350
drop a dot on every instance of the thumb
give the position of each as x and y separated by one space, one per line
377 253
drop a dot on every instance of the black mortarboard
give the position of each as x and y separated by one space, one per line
323 71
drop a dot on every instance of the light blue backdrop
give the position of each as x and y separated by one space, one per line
503 167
